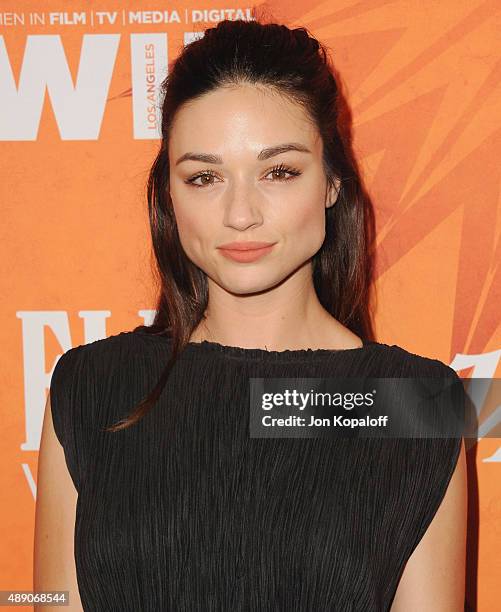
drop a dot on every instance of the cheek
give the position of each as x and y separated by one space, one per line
191 229
307 225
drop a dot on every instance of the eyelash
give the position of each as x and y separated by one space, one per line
279 168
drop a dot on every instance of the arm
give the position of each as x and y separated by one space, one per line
53 561
434 576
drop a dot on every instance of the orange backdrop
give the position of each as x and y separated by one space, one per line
79 131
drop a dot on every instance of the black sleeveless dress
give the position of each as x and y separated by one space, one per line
184 512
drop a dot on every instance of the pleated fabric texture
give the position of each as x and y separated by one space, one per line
185 512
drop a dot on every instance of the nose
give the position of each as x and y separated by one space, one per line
242 210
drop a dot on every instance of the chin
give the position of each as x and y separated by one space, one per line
243 286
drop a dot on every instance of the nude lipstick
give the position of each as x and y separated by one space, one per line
245 252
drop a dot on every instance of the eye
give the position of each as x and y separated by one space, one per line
201 175
281 169
207 176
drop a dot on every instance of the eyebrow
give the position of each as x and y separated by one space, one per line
210 158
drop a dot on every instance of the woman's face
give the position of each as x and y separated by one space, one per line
233 190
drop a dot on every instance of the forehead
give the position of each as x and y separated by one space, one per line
240 117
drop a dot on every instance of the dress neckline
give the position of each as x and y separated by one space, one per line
209 347
215 349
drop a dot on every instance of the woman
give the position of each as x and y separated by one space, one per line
178 508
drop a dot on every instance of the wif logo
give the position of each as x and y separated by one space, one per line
79 107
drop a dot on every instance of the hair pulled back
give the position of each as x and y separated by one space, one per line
294 64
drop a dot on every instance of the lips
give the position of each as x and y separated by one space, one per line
245 252
245 246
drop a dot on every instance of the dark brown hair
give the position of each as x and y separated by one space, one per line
296 65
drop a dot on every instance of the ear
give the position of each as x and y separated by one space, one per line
332 193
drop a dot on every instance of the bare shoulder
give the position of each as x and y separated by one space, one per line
434 576
55 509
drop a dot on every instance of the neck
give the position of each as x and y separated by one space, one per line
287 316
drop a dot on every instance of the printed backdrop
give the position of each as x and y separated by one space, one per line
78 125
